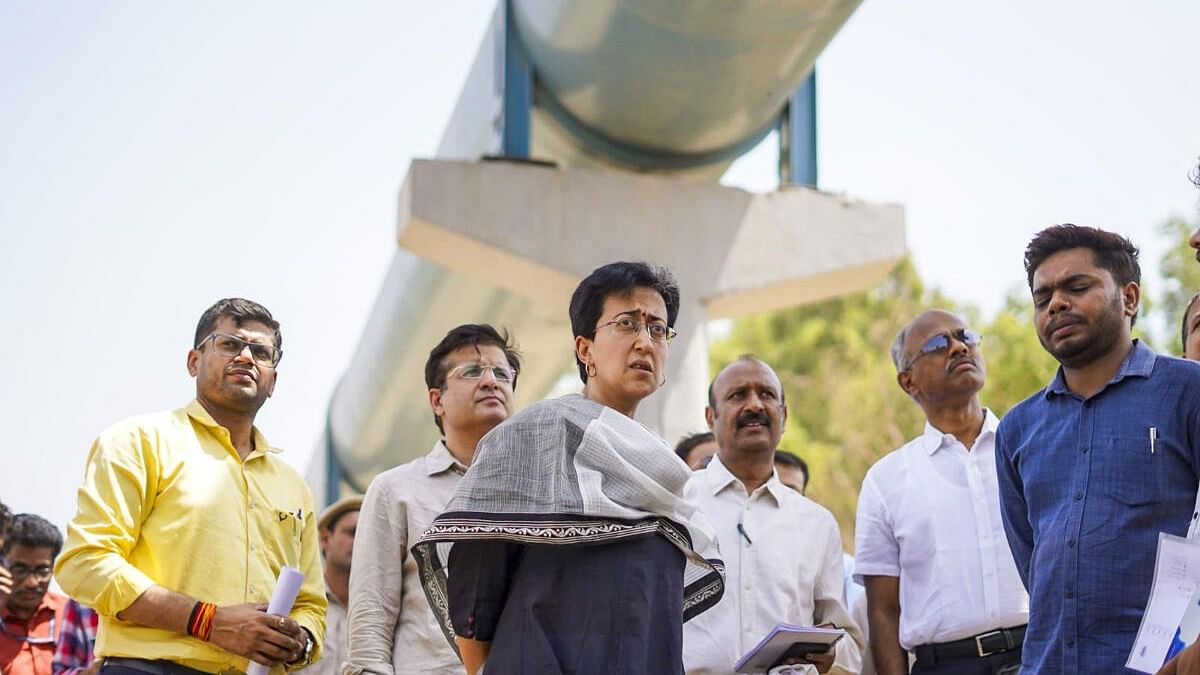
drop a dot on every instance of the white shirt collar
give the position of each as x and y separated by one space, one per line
933 440
718 477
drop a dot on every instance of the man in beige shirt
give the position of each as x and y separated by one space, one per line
471 375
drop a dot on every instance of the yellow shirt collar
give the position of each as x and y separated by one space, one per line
199 413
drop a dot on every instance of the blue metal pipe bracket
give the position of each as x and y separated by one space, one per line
798 135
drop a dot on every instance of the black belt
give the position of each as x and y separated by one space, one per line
985 644
152 667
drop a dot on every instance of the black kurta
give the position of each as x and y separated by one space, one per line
578 609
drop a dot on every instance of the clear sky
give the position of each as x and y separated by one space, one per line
157 156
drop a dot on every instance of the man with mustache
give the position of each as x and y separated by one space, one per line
930 545
1099 462
186 517
782 552
471 375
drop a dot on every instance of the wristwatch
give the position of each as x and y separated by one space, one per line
308 647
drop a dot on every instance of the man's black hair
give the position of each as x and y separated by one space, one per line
1110 251
619 278
788 459
241 311
468 335
32 531
689 442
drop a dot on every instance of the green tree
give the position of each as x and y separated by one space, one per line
1181 278
845 409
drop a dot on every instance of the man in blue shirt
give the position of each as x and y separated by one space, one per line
1092 467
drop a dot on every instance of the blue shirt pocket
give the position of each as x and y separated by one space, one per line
1131 470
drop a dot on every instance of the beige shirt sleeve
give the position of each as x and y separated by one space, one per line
376 581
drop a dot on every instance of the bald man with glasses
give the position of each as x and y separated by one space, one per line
930 544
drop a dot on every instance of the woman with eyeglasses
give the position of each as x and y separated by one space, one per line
568 546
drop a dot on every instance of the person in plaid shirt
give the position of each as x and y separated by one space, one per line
73 653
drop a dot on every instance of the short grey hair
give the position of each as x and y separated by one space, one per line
898 347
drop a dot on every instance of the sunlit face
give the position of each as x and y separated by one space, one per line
1080 312
954 370
476 403
29 567
236 383
749 413
338 543
627 368
791 476
1191 346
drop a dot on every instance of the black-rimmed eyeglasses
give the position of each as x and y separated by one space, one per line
231 346
21 572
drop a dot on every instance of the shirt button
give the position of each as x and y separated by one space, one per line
1084 449
253 590
1078 496
1070 593
1070 644
1070 543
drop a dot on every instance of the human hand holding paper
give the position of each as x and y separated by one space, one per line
286 589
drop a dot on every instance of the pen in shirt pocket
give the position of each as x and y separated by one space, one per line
1153 437
295 518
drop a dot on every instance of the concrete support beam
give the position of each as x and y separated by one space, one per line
535 231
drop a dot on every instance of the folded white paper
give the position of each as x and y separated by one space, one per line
286 590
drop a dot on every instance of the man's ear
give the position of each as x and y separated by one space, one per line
904 379
435 401
1131 296
709 416
274 381
193 362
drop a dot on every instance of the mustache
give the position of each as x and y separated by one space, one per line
959 361
752 417
1065 320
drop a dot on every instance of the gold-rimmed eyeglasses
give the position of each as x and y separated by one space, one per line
627 326
474 371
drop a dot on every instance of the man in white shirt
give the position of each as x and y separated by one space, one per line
471 375
930 545
782 552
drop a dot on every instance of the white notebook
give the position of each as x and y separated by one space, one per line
771 648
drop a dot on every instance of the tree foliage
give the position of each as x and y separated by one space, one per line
1181 278
845 409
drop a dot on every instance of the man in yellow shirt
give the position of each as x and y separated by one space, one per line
186 517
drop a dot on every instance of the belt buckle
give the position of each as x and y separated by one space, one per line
979 642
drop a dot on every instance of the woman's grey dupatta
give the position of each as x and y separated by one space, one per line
572 471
